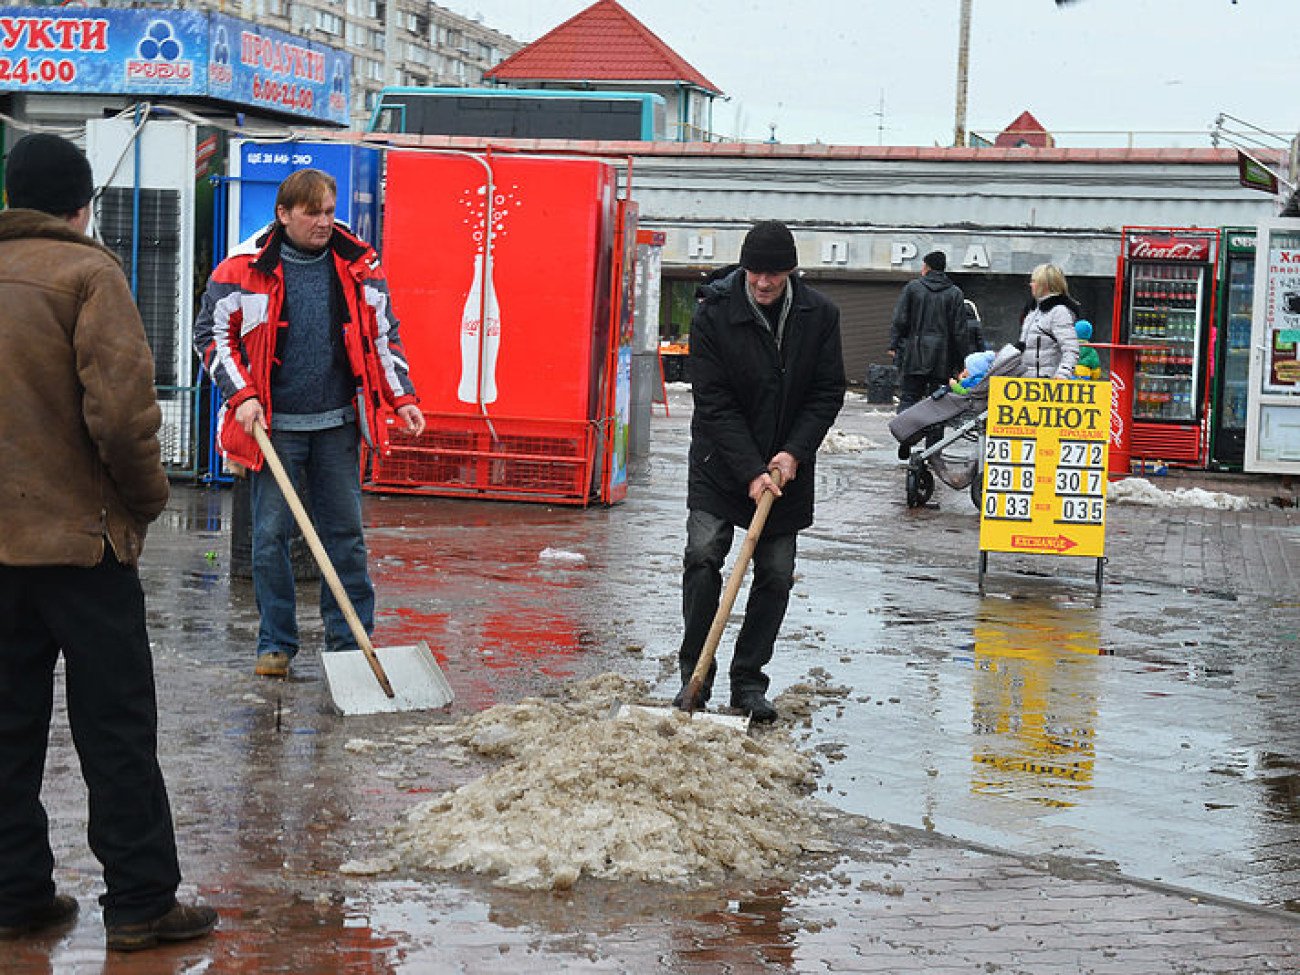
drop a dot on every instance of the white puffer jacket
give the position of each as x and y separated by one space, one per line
1051 345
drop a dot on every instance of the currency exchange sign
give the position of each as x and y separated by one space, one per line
1045 452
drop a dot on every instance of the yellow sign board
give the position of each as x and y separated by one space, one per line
1045 452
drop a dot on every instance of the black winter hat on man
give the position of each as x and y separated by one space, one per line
769 246
45 172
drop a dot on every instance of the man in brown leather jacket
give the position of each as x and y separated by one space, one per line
82 479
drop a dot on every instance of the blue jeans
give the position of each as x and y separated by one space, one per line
708 539
328 462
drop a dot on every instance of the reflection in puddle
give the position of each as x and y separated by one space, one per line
1280 778
1034 702
760 921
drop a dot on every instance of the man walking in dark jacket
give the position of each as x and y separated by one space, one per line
927 339
767 377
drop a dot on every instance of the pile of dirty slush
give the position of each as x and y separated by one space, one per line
1138 490
839 441
652 796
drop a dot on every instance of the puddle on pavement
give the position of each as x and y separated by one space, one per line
1034 705
997 719
1044 724
653 797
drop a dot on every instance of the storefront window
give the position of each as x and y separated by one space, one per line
678 309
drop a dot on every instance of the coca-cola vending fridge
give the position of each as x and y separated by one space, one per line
1230 348
1164 299
503 272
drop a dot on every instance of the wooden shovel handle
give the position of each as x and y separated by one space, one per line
696 683
322 559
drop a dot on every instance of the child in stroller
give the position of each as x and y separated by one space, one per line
958 413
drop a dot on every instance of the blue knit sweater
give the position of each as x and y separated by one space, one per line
312 387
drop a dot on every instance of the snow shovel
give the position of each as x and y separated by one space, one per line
358 682
691 693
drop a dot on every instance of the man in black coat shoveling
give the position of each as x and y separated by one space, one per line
767 376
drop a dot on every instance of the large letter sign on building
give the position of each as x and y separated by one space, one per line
1045 454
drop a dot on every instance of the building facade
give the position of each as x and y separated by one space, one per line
392 42
863 216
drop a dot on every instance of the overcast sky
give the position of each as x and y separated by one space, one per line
822 69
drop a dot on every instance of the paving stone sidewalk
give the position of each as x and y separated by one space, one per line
269 800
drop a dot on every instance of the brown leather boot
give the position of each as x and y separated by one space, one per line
58 911
181 923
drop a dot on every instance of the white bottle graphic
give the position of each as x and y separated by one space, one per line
491 337
470 319
480 308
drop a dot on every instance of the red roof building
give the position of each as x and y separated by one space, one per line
1025 131
605 48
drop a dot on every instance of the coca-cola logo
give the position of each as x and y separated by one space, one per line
1116 418
1169 249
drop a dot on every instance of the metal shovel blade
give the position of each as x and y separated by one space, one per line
418 683
737 722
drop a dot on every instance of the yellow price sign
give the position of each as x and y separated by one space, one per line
1045 451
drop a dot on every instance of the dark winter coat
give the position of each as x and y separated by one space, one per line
928 336
79 417
751 403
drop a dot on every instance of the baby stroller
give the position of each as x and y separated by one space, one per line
953 426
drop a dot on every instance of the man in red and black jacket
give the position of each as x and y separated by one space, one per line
297 332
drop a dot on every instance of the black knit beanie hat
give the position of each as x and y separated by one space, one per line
769 246
936 260
45 172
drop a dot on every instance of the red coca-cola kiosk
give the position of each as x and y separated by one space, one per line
1164 304
508 275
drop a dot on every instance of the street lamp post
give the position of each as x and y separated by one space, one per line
963 70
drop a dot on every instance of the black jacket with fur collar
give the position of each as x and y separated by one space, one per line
753 401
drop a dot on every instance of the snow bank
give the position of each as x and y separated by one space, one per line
562 557
1138 490
839 442
649 796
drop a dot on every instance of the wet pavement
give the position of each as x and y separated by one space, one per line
1020 782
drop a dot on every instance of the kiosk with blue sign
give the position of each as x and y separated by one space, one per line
174 54
258 168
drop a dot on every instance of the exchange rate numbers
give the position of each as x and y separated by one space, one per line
1077 453
1081 482
1009 478
1010 451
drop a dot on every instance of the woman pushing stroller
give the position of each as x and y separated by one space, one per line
1047 336
1048 348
